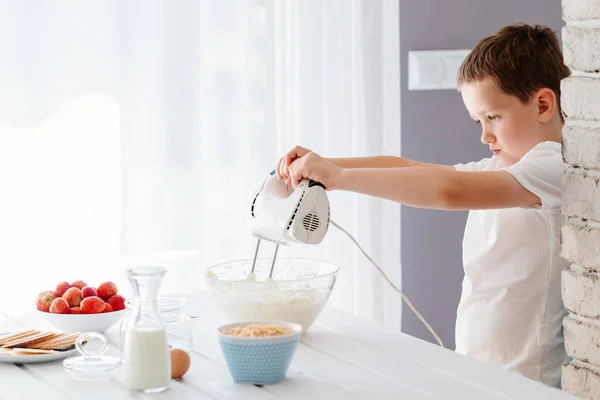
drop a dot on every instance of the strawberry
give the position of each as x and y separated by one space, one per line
73 296
79 284
106 290
44 301
117 302
61 288
88 292
59 306
92 305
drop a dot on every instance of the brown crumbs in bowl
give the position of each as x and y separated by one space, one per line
257 330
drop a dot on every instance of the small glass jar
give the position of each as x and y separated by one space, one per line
176 323
146 365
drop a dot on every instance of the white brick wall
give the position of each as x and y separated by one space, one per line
580 291
580 47
579 10
580 97
580 234
580 243
581 193
582 339
580 380
581 144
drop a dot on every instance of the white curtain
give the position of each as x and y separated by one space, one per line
137 131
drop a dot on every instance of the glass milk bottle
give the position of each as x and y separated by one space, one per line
146 360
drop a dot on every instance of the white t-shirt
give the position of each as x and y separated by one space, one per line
511 311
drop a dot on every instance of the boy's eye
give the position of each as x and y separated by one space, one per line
492 117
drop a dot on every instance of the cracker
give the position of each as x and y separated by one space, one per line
26 339
57 342
28 352
55 338
17 335
35 342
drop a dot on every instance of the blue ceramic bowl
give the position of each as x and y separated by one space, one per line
259 360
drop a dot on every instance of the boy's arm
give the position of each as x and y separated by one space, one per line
381 162
439 188
354 162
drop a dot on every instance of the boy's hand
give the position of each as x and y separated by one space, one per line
313 166
284 163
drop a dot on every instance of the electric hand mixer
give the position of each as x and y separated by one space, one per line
285 215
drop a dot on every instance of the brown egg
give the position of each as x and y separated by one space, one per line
180 363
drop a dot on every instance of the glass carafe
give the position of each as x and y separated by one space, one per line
177 324
146 361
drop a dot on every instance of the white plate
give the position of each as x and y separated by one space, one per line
38 358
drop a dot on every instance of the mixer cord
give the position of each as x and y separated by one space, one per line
406 300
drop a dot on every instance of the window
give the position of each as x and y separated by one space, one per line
138 132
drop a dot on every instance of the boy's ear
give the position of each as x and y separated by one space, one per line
547 105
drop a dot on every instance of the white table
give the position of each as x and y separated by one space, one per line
341 357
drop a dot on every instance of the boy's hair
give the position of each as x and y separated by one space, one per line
520 58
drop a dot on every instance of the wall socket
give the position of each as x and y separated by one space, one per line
434 69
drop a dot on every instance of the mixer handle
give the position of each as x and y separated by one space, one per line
312 183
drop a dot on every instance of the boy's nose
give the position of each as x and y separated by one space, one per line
486 137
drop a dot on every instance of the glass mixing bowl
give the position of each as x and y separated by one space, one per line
297 292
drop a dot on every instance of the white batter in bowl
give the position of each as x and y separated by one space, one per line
297 293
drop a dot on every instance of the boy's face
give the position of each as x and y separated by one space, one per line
508 126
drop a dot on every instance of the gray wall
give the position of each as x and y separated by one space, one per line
436 128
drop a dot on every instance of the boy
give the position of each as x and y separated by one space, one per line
510 312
